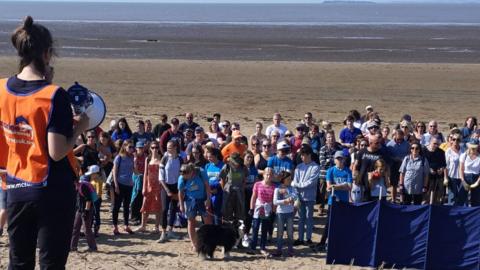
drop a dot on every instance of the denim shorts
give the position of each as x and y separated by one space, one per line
195 207
3 199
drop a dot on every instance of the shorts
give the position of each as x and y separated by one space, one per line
3 199
195 207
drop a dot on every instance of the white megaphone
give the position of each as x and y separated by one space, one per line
89 102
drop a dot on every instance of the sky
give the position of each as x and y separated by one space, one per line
254 1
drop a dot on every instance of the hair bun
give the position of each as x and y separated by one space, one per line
27 23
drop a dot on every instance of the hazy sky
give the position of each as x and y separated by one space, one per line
252 1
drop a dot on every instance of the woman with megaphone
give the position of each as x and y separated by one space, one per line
36 142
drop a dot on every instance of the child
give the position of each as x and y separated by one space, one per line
86 197
137 196
284 198
97 182
251 179
379 181
213 169
261 206
194 197
339 178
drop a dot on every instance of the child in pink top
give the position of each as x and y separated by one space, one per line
262 208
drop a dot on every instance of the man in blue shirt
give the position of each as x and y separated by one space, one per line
397 148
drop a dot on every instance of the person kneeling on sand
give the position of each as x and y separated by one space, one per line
194 196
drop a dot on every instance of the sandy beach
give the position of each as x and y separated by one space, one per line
248 92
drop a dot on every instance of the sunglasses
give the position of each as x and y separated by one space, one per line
433 126
274 136
91 137
266 145
455 139
183 172
288 135
254 144
404 126
363 145
414 148
154 147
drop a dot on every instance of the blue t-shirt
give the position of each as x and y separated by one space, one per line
194 188
213 173
337 177
125 170
123 135
348 136
279 165
252 174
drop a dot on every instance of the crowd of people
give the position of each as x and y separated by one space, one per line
180 171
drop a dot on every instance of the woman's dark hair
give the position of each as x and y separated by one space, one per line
474 121
215 152
355 114
201 160
127 127
32 41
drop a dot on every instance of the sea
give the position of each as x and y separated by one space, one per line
331 31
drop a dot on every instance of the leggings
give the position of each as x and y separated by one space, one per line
124 197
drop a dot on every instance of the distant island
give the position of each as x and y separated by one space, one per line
347 2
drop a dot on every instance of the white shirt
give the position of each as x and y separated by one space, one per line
469 165
453 163
281 129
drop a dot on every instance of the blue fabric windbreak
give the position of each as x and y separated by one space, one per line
352 233
419 237
454 241
402 235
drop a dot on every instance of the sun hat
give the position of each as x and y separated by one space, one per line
92 169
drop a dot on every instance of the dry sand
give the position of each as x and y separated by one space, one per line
247 92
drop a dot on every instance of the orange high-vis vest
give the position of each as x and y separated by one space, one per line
24 119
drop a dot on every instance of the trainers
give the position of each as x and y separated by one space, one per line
264 253
309 242
291 253
298 242
246 241
172 235
140 229
163 238
277 253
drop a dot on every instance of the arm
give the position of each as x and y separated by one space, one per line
311 179
59 145
253 200
145 186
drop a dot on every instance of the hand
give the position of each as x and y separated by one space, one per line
117 189
282 191
169 193
465 185
370 175
85 213
81 121
445 181
208 204
182 208
424 190
400 188
250 212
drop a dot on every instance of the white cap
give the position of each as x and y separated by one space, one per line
369 107
92 169
282 145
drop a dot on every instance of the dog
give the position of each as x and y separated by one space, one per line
227 235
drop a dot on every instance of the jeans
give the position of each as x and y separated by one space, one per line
471 178
171 205
248 218
266 223
305 218
123 197
460 195
86 220
48 222
285 219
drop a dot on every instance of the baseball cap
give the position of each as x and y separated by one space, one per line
236 134
473 143
92 169
301 126
372 124
338 154
139 144
282 146
198 129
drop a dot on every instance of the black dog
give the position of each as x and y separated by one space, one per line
210 236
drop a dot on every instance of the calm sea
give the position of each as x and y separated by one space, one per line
241 14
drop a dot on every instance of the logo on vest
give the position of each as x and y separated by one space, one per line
19 133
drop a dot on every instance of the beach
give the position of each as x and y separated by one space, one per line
247 72
250 91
